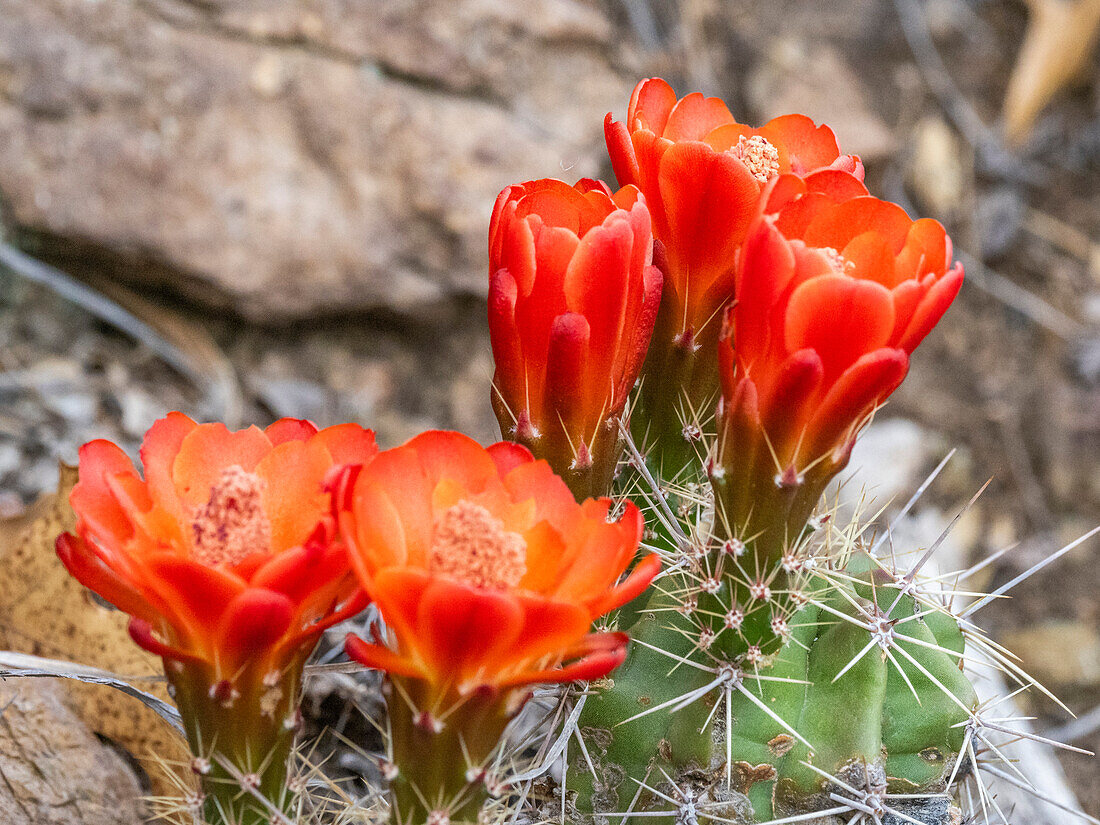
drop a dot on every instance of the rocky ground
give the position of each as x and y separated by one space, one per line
298 195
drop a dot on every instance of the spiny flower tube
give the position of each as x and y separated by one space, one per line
833 295
573 296
488 575
226 557
702 174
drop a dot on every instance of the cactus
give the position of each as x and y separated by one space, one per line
838 676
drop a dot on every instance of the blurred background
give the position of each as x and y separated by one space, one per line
250 209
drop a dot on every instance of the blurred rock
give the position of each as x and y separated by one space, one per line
55 771
811 77
890 458
284 159
936 171
470 397
1086 353
835 21
890 461
998 219
138 411
1059 653
10 458
292 397
78 408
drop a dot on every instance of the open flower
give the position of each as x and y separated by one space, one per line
488 575
573 296
225 555
833 295
702 174
224 551
484 567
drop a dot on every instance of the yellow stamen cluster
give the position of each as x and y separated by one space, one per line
471 545
232 525
759 156
840 264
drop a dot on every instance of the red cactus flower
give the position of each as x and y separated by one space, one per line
702 174
572 300
833 294
225 556
488 575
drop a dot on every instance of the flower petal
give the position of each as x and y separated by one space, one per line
290 429
158 456
97 509
853 397
379 658
840 318
600 654
198 595
651 103
293 497
463 631
209 449
253 622
88 569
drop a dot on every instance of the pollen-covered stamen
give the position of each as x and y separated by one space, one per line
759 156
840 265
470 544
232 525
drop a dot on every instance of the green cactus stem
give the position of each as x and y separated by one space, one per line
878 703
242 732
440 747
672 407
865 691
625 742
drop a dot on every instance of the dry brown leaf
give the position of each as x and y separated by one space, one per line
46 612
1060 38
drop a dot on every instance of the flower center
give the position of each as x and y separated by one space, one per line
232 525
759 156
471 545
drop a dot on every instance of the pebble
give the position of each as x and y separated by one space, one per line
998 219
78 408
1086 361
292 397
139 411
937 173
891 458
10 458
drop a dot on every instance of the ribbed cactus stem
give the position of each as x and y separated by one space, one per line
677 394
241 731
623 739
440 747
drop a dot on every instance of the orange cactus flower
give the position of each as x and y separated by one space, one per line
226 558
488 575
702 174
833 295
572 299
